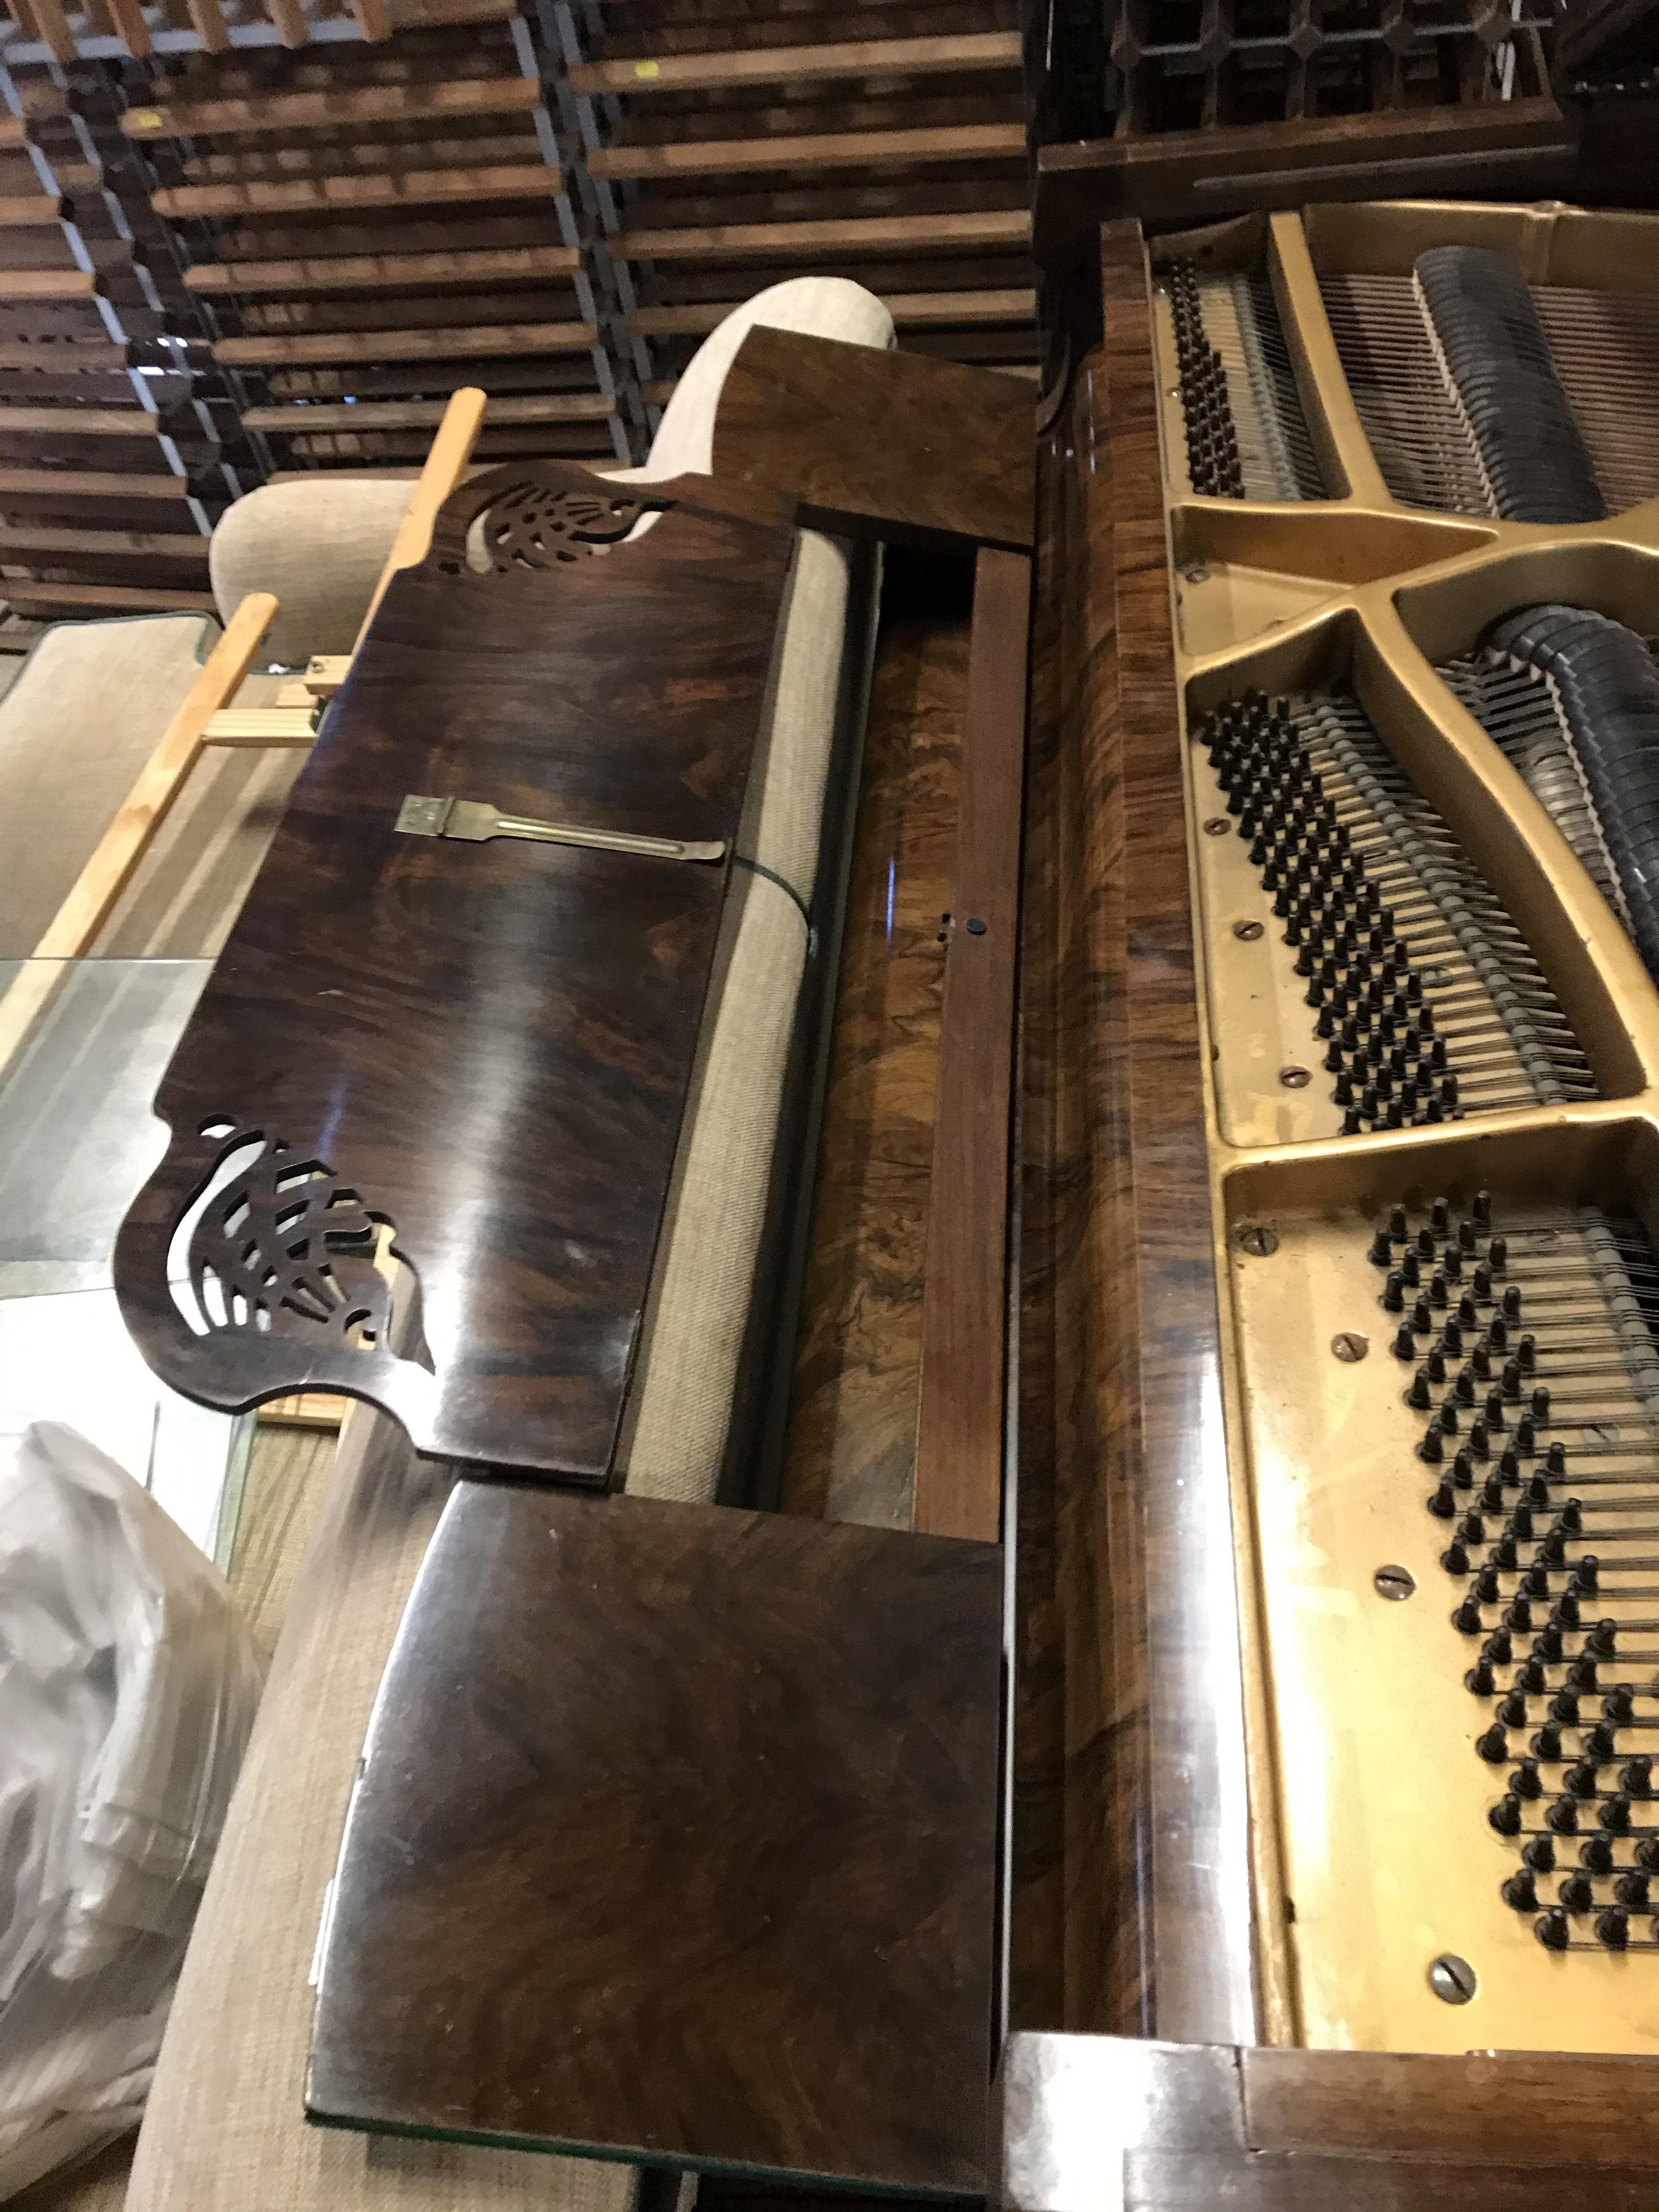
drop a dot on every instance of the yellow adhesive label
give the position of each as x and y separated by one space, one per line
647 69
146 119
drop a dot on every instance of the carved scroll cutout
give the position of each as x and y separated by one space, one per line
535 519
276 1244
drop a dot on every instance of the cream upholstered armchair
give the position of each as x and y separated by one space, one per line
225 2123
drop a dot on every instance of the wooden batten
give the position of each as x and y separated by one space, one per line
485 341
386 272
410 188
848 150
831 238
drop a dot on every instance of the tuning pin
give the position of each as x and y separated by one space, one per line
1612 1927
1577 1892
1554 1931
1521 1891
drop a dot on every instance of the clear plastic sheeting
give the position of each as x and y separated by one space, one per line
128 1687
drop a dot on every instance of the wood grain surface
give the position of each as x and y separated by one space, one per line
1511 148
1125 1714
488 1044
964 1311
851 1438
682 1847
890 445
1155 2127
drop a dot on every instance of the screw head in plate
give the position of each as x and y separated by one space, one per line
1452 1978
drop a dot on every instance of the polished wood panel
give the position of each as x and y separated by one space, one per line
1138 1910
888 445
851 1447
487 1046
1157 1380
964 1312
1171 2127
680 1847
1599 2111
1500 149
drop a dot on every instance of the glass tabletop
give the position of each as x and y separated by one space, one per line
84 1045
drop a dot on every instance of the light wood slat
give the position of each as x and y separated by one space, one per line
77 421
372 20
31 211
385 272
289 18
289 112
261 726
88 483
840 150
110 598
54 29
326 671
483 340
414 188
908 309
14 134
64 357
974 50
100 882
210 25
442 470
867 236
47 283
424 414
130 27
26 540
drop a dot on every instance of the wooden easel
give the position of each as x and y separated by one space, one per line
205 718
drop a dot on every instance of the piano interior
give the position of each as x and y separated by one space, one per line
1406 450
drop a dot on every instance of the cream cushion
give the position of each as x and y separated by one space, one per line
674 1439
319 543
